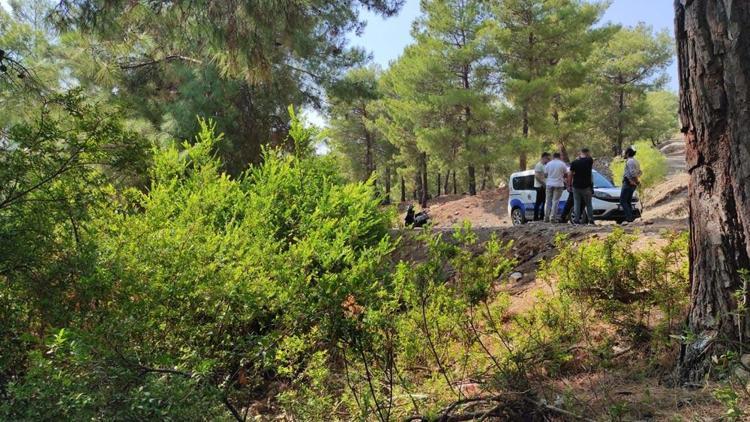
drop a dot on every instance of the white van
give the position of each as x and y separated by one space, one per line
606 201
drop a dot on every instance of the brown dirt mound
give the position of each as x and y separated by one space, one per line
668 199
486 209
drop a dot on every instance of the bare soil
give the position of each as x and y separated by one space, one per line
486 209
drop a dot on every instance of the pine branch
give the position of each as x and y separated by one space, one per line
153 62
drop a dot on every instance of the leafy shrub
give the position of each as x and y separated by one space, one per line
622 284
54 172
199 285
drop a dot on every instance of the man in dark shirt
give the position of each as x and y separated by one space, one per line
582 180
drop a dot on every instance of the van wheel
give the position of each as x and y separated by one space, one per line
517 217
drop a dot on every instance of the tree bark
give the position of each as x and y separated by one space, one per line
439 184
472 180
387 199
418 183
455 186
369 160
713 49
563 152
617 150
560 138
446 183
522 158
403 189
424 182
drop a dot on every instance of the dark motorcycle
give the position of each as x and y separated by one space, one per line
419 219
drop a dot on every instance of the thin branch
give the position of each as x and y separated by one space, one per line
63 168
305 71
152 62
186 374
369 381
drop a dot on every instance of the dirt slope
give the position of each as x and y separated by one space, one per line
668 200
487 209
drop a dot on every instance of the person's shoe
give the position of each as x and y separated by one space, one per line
573 223
625 223
546 220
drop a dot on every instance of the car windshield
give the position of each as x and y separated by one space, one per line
601 181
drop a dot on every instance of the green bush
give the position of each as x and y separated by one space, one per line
622 284
199 285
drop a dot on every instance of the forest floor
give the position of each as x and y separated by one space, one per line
628 390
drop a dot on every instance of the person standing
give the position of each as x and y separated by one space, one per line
555 172
582 179
630 181
540 186
567 212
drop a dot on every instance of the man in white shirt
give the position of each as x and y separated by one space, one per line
540 186
555 172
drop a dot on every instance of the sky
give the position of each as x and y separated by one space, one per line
385 39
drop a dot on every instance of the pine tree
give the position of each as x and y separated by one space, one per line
629 64
398 122
355 138
659 122
240 63
538 43
714 76
443 84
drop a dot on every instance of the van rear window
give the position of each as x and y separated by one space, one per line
523 182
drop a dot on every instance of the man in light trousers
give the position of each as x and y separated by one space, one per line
555 172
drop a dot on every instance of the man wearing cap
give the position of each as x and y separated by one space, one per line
630 182
540 185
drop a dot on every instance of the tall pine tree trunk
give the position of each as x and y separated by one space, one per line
467 132
560 141
472 180
617 149
446 183
369 160
563 152
455 187
418 183
439 184
403 189
424 182
387 199
713 49
522 158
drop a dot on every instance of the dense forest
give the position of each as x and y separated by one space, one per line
177 242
